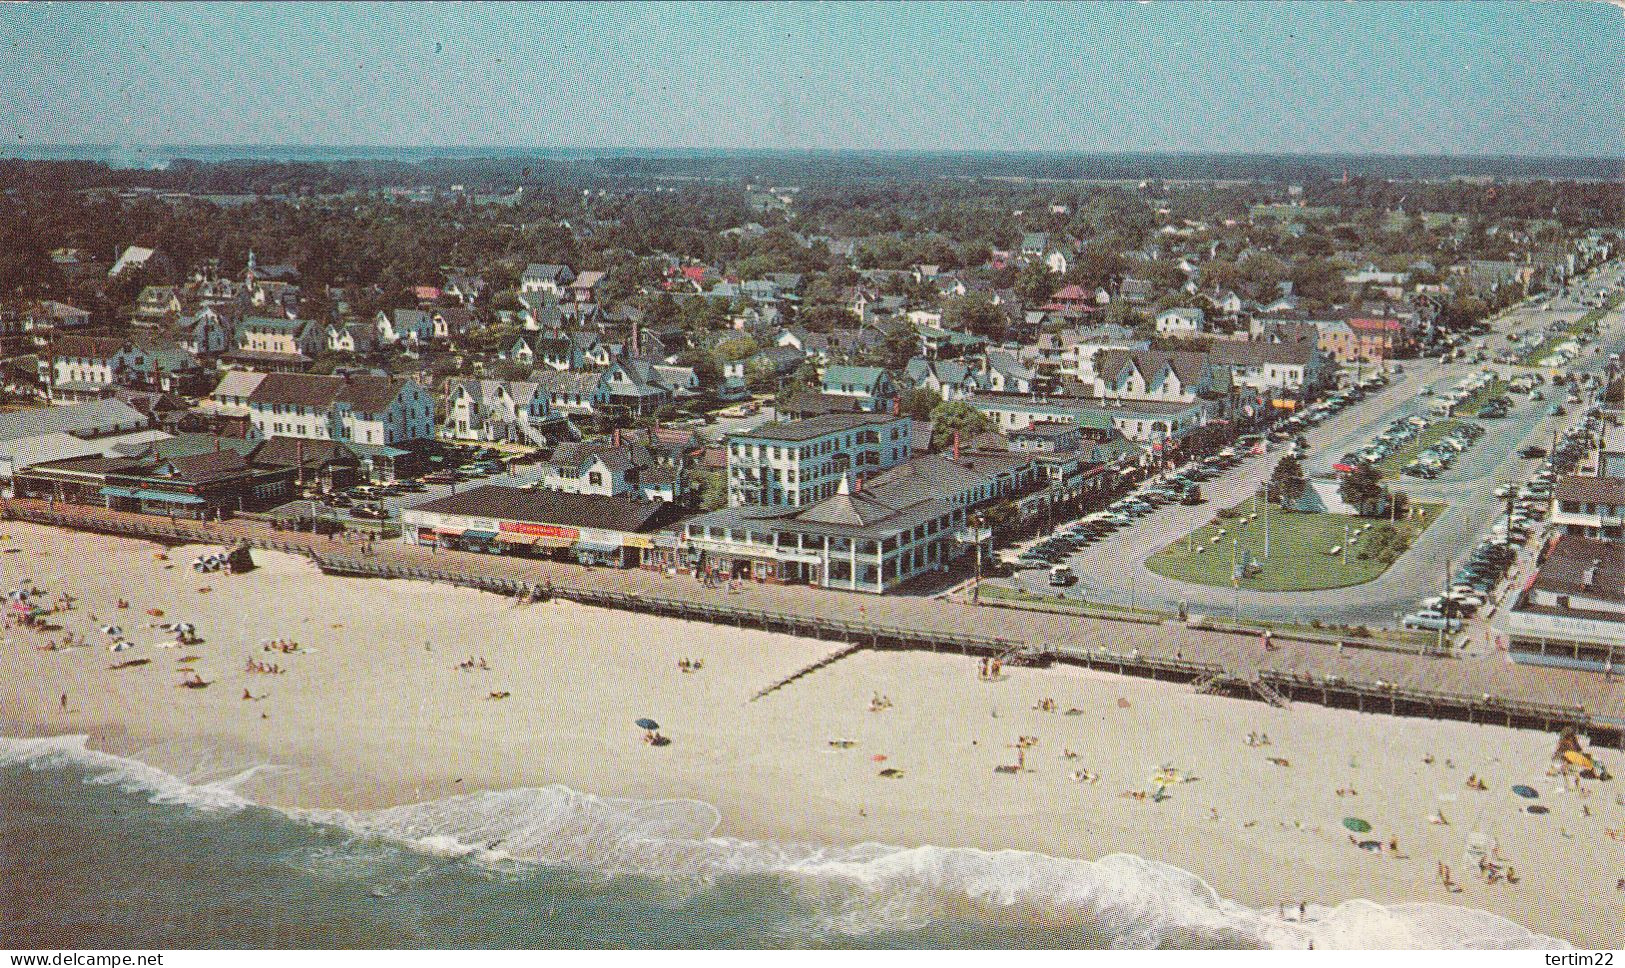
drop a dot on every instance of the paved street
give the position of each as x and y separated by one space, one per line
1113 570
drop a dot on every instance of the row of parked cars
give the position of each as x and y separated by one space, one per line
1473 584
1393 437
1436 459
1182 487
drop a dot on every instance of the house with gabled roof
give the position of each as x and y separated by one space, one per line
872 386
351 338
949 379
277 342
548 277
1181 321
576 393
355 407
515 412
404 326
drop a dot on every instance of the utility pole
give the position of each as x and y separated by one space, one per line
1235 580
1266 522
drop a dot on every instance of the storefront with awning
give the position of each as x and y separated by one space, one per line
582 528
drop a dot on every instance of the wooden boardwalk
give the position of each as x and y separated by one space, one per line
1487 690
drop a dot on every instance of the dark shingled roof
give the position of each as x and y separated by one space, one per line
363 392
1591 490
829 423
622 512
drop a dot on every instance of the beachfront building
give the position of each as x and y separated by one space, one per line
359 408
802 462
1572 615
39 435
1591 506
211 484
593 529
854 540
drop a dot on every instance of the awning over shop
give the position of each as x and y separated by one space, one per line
111 491
169 496
479 535
537 540
598 546
448 532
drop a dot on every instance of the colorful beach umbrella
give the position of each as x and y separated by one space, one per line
647 723
1527 792
1357 825
1579 759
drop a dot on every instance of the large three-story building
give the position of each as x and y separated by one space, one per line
802 462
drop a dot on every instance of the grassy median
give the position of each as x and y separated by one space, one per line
1301 546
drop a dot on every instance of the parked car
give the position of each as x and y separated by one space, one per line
1431 621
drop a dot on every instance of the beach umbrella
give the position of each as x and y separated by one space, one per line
1579 759
1527 792
1535 808
112 630
1357 825
647 723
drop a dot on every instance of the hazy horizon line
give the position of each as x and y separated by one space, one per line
724 150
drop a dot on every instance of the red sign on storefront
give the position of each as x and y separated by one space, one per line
546 530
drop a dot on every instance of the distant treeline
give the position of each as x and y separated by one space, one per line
504 173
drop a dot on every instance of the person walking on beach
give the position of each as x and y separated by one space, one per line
64 702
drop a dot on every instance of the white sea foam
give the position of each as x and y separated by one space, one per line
73 750
1131 901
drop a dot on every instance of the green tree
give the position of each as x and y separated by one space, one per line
975 314
1035 283
1287 482
713 488
1362 488
919 402
957 415
737 348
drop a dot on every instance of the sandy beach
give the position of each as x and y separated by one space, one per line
373 711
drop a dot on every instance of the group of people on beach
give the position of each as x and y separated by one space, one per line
989 669
1258 739
285 646
471 663
879 703
264 668
690 665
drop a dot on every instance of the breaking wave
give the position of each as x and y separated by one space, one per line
1125 900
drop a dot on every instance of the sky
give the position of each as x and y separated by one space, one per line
1538 78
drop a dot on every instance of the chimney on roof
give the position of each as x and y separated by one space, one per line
617 437
857 483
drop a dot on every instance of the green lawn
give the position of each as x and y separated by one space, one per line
1298 559
1536 356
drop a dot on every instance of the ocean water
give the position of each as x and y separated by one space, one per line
99 851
